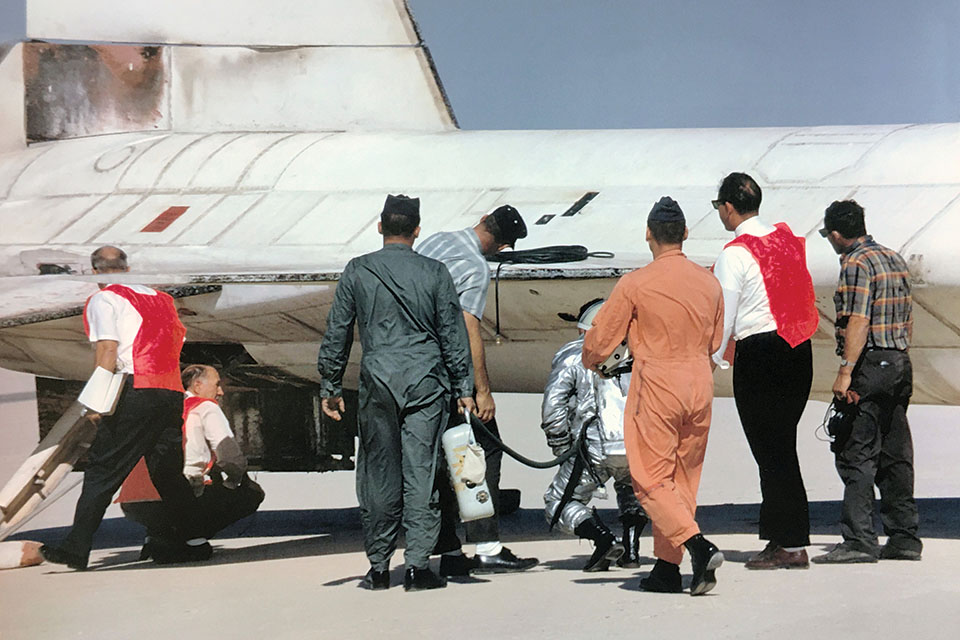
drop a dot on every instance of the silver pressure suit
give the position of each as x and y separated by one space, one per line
576 399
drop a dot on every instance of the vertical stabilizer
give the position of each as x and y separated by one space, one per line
12 137
233 65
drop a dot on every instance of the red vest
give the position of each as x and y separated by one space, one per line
156 349
783 265
137 487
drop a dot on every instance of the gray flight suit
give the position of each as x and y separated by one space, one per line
575 399
415 356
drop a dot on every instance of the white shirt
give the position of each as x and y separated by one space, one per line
205 428
746 309
112 317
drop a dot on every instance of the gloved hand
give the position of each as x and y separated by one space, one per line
560 445
232 481
196 483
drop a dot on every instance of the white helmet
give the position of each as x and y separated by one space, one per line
585 321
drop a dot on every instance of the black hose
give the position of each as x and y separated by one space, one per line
544 255
549 255
522 459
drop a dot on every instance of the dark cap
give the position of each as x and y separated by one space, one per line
666 210
401 205
509 226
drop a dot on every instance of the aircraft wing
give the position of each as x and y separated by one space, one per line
278 318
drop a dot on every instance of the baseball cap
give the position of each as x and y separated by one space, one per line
509 224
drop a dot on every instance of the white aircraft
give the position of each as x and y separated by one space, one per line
243 161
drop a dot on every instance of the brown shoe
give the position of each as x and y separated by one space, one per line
776 557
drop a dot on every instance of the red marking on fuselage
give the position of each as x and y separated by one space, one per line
164 220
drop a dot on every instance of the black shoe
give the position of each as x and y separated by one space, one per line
146 551
421 580
663 578
175 553
456 566
891 552
843 553
606 547
59 556
376 580
503 562
705 558
633 526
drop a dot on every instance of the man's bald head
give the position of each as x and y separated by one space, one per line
109 259
195 372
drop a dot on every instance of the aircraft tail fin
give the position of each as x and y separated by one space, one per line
227 65
12 136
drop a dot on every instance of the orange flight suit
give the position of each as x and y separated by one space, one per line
671 312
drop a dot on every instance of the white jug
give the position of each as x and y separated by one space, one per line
466 465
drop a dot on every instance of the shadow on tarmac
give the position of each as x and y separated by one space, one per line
334 531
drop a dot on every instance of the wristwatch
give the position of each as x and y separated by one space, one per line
844 363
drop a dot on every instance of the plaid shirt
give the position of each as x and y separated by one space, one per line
874 283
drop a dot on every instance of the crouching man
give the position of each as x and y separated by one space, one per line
574 400
214 466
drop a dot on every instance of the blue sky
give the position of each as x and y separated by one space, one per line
565 64
720 63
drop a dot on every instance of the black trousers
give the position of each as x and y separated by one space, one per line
771 384
485 529
146 423
219 508
879 450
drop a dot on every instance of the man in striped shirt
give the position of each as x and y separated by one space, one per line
874 327
464 253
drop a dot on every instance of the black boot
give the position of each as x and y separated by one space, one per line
170 552
145 550
705 558
633 525
59 556
606 548
421 579
376 580
663 578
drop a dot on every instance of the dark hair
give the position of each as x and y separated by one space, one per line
490 223
108 258
667 232
192 373
846 218
398 224
741 191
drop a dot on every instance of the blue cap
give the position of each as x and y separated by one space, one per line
666 210
402 205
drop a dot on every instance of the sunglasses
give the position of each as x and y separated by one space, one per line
716 203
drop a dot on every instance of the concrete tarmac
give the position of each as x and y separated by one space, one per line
293 569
